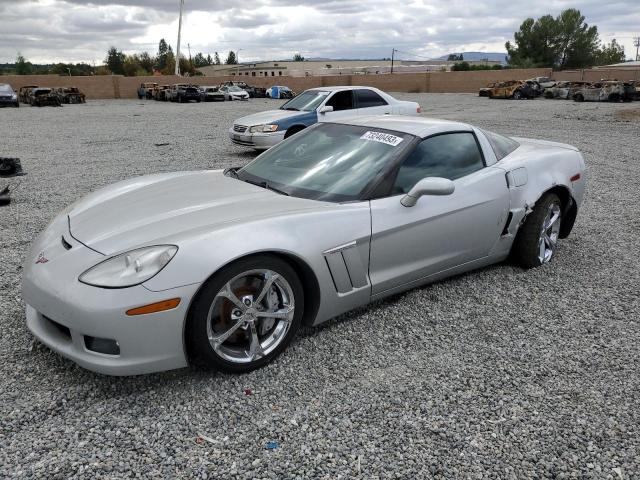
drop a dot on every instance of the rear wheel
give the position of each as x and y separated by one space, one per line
537 239
579 98
517 95
245 315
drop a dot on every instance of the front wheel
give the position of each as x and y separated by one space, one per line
517 95
245 315
537 239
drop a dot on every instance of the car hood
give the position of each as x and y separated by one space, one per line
166 207
268 116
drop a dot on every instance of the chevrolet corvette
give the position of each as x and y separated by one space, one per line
221 268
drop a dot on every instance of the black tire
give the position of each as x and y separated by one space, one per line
578 98
526 246
17 105
293 131
200 352
517 95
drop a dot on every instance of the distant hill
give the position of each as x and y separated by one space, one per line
493 56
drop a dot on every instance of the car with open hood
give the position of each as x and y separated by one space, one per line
323 104
222 268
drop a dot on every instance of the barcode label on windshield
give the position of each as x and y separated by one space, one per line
382 138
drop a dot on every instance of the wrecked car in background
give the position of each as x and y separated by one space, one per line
233 92
254 92
484 91
145 90
603 91
544 82
44 97
631 89
182 93
563 90
515 89
211 94
71 95
160 93
25 92
7 96
279 91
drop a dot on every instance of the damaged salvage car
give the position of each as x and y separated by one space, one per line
563 90
603 91
221 268
44 97
71 95
513 89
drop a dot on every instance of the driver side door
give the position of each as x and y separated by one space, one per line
410 244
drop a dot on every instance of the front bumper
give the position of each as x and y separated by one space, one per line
258 140
238 97
62 312
8 101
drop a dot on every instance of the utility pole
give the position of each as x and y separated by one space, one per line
393 53
190 62
179 33
636 42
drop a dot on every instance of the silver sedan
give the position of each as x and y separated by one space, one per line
221 269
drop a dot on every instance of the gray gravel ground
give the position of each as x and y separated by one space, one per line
500 373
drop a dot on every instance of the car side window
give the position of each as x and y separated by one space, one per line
341 101
369 98
452 155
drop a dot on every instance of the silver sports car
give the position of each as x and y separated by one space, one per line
221 269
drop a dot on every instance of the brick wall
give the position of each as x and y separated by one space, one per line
117 86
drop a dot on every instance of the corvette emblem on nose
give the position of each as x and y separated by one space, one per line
41 258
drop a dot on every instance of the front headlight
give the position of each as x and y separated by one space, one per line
129 268
263 128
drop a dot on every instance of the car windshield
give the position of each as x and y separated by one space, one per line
235 89
307 101
328 162
5 89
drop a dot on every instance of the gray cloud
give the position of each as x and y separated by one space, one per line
80 30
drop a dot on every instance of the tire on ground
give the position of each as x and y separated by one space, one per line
526 247
199 350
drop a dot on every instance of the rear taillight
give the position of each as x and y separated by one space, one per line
575 178
419 109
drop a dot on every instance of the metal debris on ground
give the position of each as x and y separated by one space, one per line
161 144
200 439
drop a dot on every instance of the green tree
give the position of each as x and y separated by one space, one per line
201 61
23 67
454 57
115 61
298 58
610 54
461 67
231 58
164 52
562 42
216 58
146 62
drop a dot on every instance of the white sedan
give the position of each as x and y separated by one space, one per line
231 92
323 104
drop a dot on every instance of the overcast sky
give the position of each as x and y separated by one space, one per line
80 30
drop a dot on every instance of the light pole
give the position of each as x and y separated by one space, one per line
636 42
177 72
393 53
238 61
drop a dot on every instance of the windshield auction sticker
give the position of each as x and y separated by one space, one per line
382 138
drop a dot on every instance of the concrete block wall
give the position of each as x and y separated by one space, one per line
116 86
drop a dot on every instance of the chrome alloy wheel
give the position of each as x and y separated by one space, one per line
250 316
549 235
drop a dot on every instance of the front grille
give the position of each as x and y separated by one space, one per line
61 328
240 128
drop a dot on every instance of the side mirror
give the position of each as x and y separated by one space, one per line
428 186
325 109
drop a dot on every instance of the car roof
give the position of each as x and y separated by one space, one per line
343 87
418 126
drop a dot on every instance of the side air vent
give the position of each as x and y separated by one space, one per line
346 267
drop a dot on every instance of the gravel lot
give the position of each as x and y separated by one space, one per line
500 373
